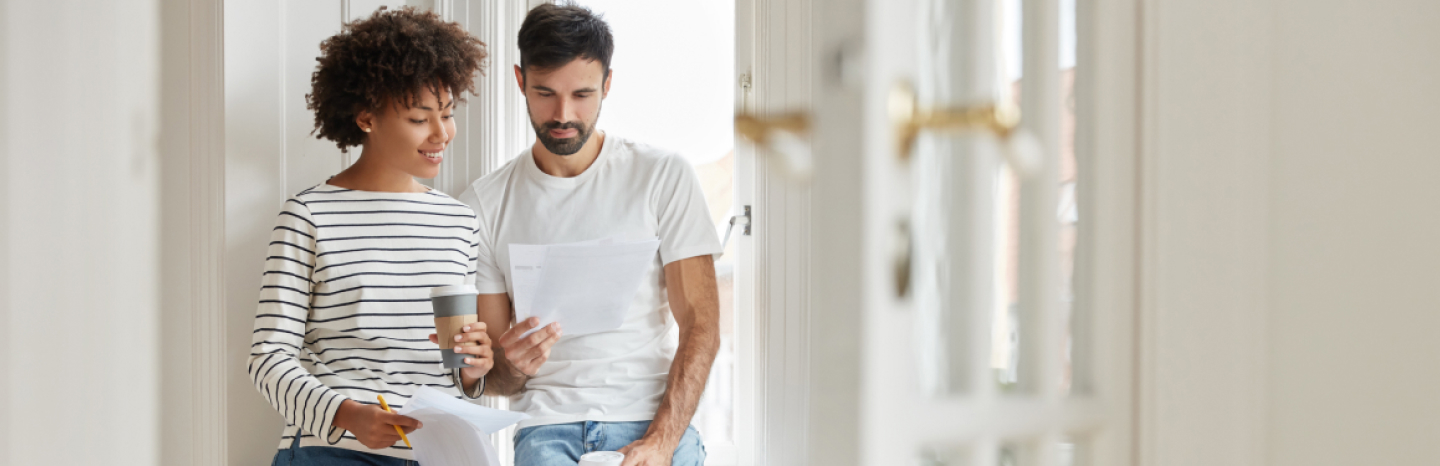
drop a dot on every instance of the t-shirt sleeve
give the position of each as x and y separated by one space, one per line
487 276
684 219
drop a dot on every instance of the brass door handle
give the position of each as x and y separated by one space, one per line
1021 149
909 119
781 135
758 129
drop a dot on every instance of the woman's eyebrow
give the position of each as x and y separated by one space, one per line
428 109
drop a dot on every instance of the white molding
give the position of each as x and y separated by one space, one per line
1204 200
1146 444
207 58
749 433
773 47
1106 273
195 374
5 212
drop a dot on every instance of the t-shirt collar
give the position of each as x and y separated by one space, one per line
532 169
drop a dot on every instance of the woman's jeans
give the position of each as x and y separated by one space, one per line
331 456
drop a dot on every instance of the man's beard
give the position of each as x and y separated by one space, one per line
565 146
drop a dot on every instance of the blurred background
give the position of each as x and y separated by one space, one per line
1208 239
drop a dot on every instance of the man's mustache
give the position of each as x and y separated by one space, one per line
575 125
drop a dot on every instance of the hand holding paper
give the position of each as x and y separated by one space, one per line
456 432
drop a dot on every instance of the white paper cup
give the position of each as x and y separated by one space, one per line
602 458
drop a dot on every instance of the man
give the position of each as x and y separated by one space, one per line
634 389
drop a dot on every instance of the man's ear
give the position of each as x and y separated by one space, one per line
520 78
608 74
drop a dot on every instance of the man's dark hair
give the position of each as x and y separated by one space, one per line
554 35
390 57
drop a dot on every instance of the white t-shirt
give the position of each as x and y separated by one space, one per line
632 191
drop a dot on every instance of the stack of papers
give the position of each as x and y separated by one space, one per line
455 432
586 286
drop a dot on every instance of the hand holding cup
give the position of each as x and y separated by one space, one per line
472 346
462 338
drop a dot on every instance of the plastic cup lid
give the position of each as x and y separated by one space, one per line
452 290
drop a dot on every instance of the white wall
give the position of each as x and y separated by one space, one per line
1290 231
80 181
1355 233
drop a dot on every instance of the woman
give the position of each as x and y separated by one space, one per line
344 308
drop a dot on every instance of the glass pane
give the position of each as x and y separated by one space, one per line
1069 208
965 217
650 68
1005 323
1005 329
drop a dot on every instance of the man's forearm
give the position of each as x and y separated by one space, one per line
504 379
685 384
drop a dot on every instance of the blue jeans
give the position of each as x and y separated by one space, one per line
331 456
562 444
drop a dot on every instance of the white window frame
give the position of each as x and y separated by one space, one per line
773 56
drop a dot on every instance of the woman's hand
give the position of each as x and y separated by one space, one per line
372 426
482 356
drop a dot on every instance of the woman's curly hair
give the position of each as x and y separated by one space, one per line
392 56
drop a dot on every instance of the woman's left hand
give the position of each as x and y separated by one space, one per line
481 356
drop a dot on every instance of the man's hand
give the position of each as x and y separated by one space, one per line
527 354
372 426
645 452
484 355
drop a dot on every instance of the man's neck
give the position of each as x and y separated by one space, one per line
572 165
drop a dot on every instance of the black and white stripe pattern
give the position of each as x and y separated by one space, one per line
345 304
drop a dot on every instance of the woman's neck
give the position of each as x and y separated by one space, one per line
367 175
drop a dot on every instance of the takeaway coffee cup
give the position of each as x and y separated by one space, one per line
454 306
602 458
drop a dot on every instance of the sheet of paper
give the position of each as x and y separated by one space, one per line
525 263
455 432
587 287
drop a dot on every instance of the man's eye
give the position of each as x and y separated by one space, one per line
447 117
545 94
583 96
412 120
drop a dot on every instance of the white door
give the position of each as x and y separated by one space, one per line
942 329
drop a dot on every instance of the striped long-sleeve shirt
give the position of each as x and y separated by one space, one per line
345 304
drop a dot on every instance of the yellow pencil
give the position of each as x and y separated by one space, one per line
397 428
